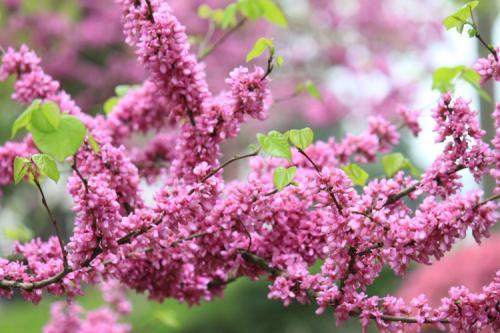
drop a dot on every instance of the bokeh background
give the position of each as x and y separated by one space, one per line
366 57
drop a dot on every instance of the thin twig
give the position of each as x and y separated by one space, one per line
223 165
221 40
480 38
318 171
54 222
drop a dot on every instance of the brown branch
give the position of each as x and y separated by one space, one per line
264 265
223 165
53 221
318 171
395 197
221 40
480 38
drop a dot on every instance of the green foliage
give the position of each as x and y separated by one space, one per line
25 118
301 138
310 88
444 79
280 61
46 166
120 91
283 177
275 144
18 233
250 9
63 142
229 16
460 18
110 104
272 13
357 174
46 118
395 162
261 45
95 146
21 167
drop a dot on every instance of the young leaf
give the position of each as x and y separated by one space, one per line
280 60
63 142
460 18
110 104
283 177
260 46
473 78
444 77
122 89
229 16
301 138
46 118
410 167
357 174
250 8
18 233
47 166
25 118
273 13
95 146
393 163
312 89
275 144
204 11
21 166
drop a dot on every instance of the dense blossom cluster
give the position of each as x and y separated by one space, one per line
489 67
201 233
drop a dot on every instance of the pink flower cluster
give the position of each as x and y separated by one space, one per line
201 233
72 318
489 67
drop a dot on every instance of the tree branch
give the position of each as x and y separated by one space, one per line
221 40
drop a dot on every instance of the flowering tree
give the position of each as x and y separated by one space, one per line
303 202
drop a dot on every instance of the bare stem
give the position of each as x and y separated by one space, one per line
318 171
480 38
223 165
222 38
54 222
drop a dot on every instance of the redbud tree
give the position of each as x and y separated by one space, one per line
304 200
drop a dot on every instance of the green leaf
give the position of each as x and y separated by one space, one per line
21 166
95 146
472 33
110 104
260 46
122 89
444 78
275 144
204 11
63 142
251 9
301 138
273 13
280 60
473 78
460 18
312 89
393 163
283 177
46 118
357 174
18 233
229 16
25 118
47 166
410 167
